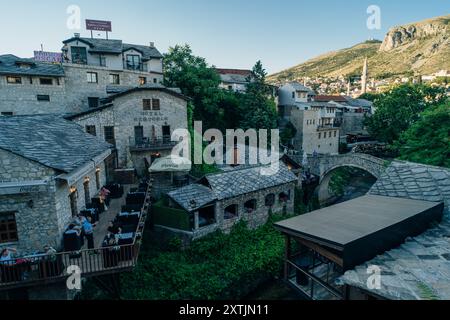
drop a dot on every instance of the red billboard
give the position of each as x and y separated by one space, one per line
98 25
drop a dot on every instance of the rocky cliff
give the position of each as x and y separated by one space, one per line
416 48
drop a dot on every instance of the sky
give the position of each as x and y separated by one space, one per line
228 33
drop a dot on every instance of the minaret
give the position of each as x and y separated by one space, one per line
364 77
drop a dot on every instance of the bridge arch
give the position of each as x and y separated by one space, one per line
324 166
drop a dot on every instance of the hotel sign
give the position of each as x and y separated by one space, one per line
44 56
23 187
98 25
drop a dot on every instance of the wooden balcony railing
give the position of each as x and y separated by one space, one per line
46 268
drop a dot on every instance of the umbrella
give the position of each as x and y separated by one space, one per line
171 163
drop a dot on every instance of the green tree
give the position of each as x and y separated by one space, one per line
256 105
197 80
399 108
428 140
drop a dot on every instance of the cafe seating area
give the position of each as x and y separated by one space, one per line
126 208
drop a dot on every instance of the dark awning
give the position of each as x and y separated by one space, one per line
364 227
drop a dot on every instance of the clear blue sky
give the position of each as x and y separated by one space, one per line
228 33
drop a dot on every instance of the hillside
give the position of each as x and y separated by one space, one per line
416 48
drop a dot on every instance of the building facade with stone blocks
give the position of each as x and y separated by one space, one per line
139 122
30 87
47 175
219 201
315 133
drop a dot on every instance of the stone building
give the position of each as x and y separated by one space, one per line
219 201
92 70
139 122
30 87
49 170
315 121
235 79
95 68
317 130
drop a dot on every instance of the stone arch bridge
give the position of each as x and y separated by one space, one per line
323 166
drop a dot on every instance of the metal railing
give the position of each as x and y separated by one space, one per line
135 67
151 143
44 268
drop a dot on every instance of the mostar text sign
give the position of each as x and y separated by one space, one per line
98 25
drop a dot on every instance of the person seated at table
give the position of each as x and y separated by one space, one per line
113 227
6 258
110 240
88 228
73 228
50 252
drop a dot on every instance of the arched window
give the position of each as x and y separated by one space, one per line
284 196
250 205
270 200
230 212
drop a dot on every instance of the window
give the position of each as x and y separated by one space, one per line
335 133
284 196
109 135
93 102
142 80
79 55
8 227
30 79
92 77
320 135
250 205
147 104
91 130
7 114
230 212
293 95
133 62
97 178
155 80
156 104
329 134
14 80
102 61
87 192
270 200
46 81
139 134
166 133
114 79
43 97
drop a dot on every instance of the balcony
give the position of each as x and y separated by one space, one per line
326 126
42 269
151 144
135 67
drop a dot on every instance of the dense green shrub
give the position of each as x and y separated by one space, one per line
218 266
170 217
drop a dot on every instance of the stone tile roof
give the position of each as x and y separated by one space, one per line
415 181
299 87
193 197
237 182
10 65
50 140
117 47
230 184
420 268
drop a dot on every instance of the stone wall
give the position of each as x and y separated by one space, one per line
78 89
352 122
259 216
127 113
42 217
22 98
35 213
